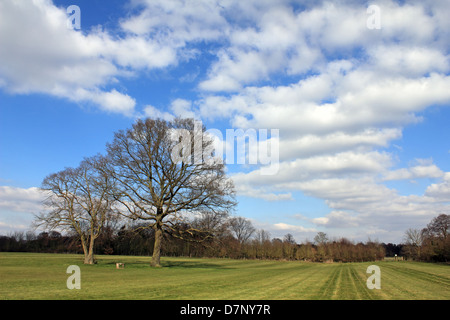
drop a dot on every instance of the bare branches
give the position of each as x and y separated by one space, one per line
147 179
242 228
78 199
151 186
140 179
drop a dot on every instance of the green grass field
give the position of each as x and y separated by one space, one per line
43 276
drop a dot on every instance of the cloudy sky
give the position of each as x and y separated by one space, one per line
359 91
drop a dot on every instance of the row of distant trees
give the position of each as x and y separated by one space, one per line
431 243
234 237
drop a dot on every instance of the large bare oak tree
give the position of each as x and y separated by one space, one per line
165 170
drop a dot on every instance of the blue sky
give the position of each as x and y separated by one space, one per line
362 112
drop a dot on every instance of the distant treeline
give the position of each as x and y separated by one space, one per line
135 241
236 238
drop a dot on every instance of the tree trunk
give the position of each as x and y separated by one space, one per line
89 254
156 258
158 226
85 248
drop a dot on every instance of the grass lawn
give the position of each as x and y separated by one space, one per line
43 276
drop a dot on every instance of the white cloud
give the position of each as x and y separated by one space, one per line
152 112
112 101
178 108
21 199
293 228
182 108
420 171
362 207
408 60
344 108
339 219
260 193
177 21
40 54
294 174
408 22
361 101
273 45
5 226
138 53
313 144
282 40
359 205
440 191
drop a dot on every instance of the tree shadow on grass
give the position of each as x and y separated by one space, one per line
193 265
185 264
126 262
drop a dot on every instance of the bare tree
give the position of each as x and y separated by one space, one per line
213 223
439 226
289 238
262 243
321 238
77 200
413 237
153 186
242 228
262 236
413 242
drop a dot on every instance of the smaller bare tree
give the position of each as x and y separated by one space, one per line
211 222
321 238
77 199
289 238
242 228
413 239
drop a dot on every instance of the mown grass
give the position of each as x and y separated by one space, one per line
43 276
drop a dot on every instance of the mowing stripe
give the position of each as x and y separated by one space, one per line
359 283
423 275
327 290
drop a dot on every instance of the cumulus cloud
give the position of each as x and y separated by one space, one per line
362 207
260 193
441 190
178 21
292 228
339 93
419 171
20 199
292 174
338 219
359 100
155 113
313 144
40 54
356 90
182 108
